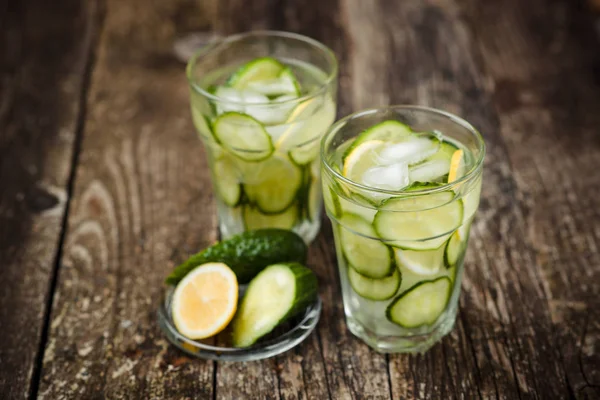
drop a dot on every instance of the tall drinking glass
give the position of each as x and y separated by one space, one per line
401 186
261 101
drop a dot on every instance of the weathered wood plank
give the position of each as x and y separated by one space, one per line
142 202
546 94
45 50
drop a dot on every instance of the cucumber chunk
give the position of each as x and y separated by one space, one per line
422 304
277 293
279 183
255 219
243 136
423 223
374 289
363 251
247 253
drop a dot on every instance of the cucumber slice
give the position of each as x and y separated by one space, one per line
421 262
277 293
454 252
420 305
305 126
226 181
284 84
278 187
421 223
445 152
255 219
243 136
331 199
364 252
386 131
374 289
358 206
259 69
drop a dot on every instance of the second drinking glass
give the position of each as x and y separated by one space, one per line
261 101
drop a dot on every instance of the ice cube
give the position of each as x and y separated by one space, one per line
267 113
229 94
389 177
430 171
411 151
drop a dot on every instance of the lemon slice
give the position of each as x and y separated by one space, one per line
362 158
205 301
457 166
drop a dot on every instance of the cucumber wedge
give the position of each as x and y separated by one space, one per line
243 136
374 289
421 262
259 69
279 292
420 305
423 223
363 251
386 131
247 253
278 187
226 181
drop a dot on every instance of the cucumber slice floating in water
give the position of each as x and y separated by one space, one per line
278 187
387 131
362 249
421 262
374 289
422 304
277 293
404 221
456 247
284 84
243 136
259 69
255 219
226 181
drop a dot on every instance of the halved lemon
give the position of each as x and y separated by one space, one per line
457 166
205 301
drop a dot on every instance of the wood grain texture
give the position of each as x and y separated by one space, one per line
142 202
546 91
524 73
44 54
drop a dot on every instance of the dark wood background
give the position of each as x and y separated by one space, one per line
104 188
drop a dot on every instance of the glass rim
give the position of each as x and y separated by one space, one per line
470 175
215 44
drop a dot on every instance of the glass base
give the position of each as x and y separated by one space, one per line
418 343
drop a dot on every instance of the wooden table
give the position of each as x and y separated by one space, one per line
104 188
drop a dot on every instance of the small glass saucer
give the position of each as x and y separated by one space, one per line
289 335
